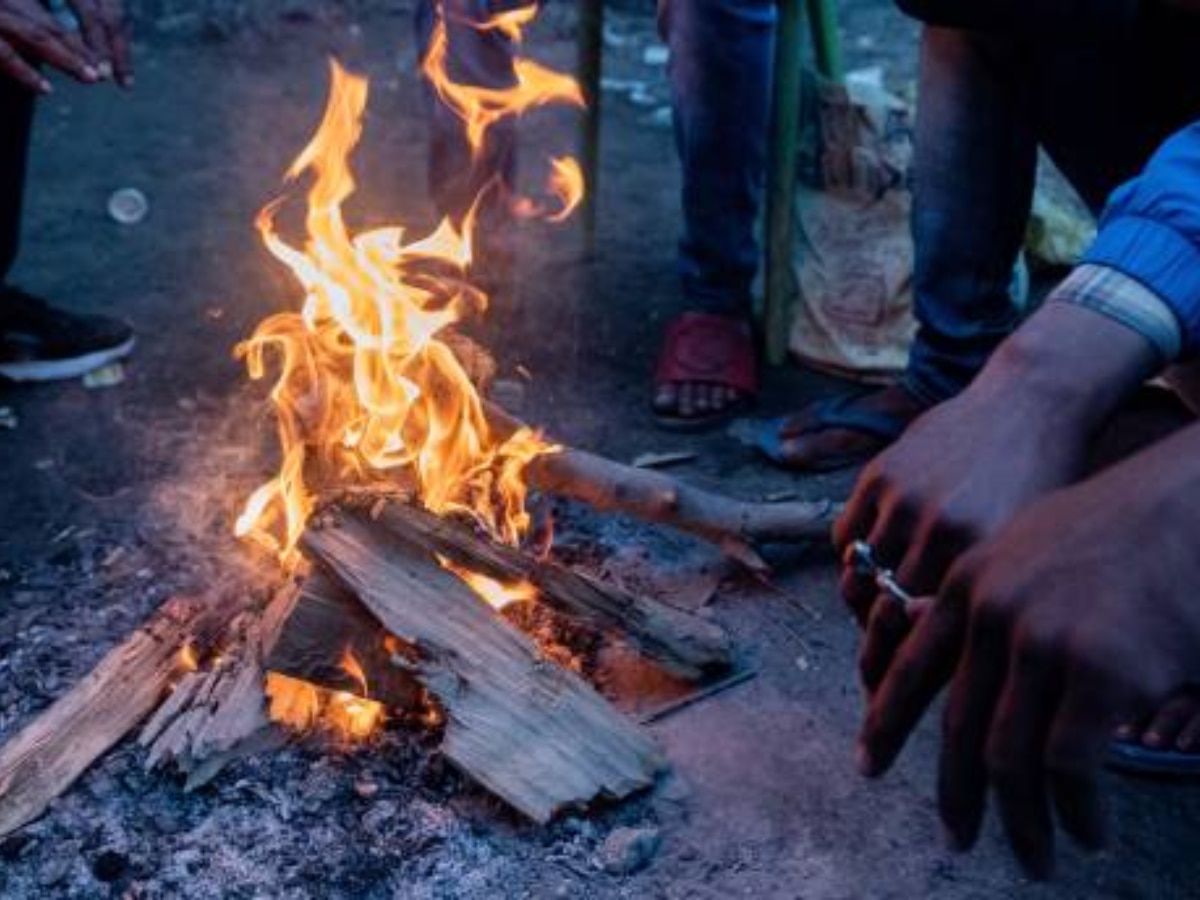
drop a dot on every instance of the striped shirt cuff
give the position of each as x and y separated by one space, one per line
1114 294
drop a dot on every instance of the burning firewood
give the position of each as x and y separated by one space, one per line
329 640
45 758
687 645
218 714
531 732
736 526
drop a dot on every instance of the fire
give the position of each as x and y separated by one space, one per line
496 594
300 706
566 181
365 387
186 658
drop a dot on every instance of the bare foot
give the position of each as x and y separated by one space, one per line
1175 727
810 443
706 368
689 400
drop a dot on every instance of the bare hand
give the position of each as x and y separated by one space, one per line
106 33
1080 613
29 34
965 468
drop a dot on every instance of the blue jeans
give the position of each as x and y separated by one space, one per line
1099 91
720 71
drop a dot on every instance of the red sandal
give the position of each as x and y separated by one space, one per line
705 348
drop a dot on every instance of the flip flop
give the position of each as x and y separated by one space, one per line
827 415
1135 759
708 349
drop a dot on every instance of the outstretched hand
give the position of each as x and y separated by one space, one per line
30 35
965 468
1080 613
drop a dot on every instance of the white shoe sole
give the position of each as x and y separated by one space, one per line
63 369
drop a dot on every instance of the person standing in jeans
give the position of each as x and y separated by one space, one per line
37 341
720 72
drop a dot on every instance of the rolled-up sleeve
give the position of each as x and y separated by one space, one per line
1150 230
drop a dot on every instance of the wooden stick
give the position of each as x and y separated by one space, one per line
733 525
682 642
50 753
528 730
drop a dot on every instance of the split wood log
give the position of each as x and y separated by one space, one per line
685 644
529 731
219 715
327 623
735 526
45 758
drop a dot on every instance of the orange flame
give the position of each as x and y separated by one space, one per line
303 707
186 658
566 182
351 666
365 386
497 594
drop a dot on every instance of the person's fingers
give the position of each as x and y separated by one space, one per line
1014 753
962 770
920 668
1075 753
858 518
886 630
1167 724
42 37
929 556
886 540
892 534
13 65
119 42
703 395
857 589
95 36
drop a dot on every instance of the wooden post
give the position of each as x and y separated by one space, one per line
827 42
591 66
781 178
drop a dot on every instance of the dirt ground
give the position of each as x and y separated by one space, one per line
112 499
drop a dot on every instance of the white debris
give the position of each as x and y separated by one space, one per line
656 55
128 206
662 460
104 377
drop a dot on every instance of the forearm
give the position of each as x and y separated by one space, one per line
1075 359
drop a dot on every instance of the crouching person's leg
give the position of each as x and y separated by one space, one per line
976 152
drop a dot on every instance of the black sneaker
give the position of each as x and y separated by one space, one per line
41 343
